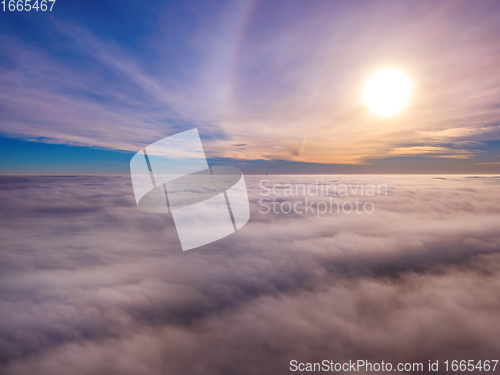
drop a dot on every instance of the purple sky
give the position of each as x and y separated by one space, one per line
262 81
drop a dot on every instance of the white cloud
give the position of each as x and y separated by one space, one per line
91 284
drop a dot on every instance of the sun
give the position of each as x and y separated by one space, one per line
387 92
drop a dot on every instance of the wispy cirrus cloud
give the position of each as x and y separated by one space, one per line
284 79
96 91
435 151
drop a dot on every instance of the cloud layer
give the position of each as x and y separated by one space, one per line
89 284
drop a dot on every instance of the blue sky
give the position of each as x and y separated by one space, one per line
271 86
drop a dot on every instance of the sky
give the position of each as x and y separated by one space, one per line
272 86
90 284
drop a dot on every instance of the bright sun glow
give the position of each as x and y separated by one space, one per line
387 92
